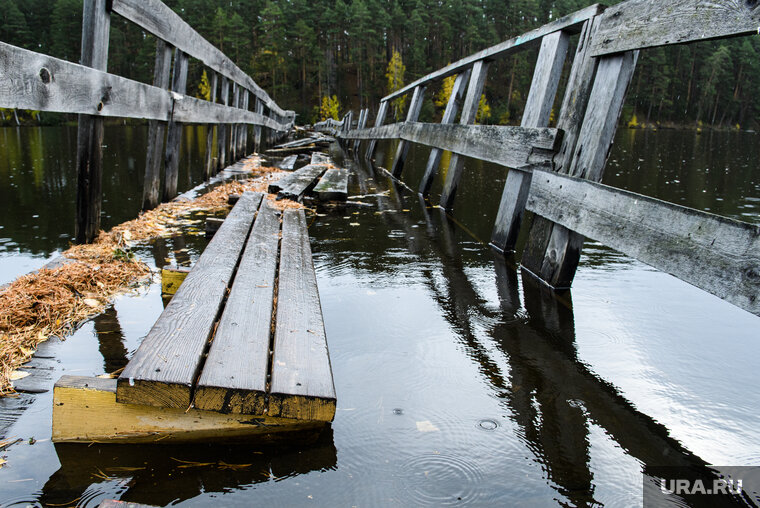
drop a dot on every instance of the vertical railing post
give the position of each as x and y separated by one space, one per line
96 25
156 131
415 106
244 126
257 130
209 167
234 131
449 115
543 89
174 136
378 122
362 123
221 138
469 112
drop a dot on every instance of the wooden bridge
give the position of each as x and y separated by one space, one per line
555 172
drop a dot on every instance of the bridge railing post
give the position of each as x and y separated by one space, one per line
209 167
362 123
221 139
174 136
381 112
259 108
244 127
156 131
234 130
415 106
96 26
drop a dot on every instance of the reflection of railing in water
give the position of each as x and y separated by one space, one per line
34 81
557 179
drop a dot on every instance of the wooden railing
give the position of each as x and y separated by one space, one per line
554 173
30 80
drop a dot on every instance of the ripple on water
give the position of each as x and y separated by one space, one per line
25 501
441 480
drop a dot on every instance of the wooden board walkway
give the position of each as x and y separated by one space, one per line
333 186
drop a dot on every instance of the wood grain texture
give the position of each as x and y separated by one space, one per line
379 120
333 186
164 368
85 411
174 134
638 24
320 158
415 106
302 383
208 168
716 254
301 182
288 163
221 139
234 377
156 131
570 23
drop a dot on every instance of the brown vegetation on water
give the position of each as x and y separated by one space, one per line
53 302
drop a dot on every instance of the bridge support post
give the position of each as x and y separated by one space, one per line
235 128
244 127
96 25
449 115
415 106
259 108
469 112
208 169
221 139
174 137
156 131
543 89
362 124
378 122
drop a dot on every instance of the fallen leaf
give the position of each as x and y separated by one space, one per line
18 374
91 302
354 224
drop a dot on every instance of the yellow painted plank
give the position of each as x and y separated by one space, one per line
172 278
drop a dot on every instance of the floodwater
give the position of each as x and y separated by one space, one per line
460 380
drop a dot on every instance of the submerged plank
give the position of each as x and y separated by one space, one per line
85 411
301 182
288 162
163 369
302 382
333 186
234 376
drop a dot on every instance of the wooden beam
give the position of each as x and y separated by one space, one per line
174 136
333 186
164 368
362 124
156 131
543 90
233 147
302 383
234 377
713 253
85 411
571 23
208 169
415 106
449 115
379 119
469 112
221 139
639 24
300 182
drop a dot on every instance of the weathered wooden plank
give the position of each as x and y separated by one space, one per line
379 119
96 25
571 23
333 186
172 278
257 130
208 169
302 383
233 141
174 135
449 115
415 106
165 366
222 136
469 111
244 128
638 24
543 90
301 182
320 158
234 377
213 224
85 410
156 132
719 255
362 124
288 163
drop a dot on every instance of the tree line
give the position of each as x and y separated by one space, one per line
324 57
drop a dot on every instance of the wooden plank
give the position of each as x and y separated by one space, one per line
233 128
213 224
172 278
288 163
301 182
415 106
538 108
320 158
208 169
638 24
362 124
379 119
222 136
716 254
469 111
234 377
571 23
333 186
85 410
449 115
96 24
243 151
174 135
164 368
156 132
302 383
259 108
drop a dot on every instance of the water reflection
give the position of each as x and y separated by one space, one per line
111 340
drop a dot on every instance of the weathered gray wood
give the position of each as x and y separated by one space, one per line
543 90
212 225
638 24
300 182
469 111
257 130
302 383
560 260
288 163
415 106
208 169
320 158
160 20
449 115
571 23
381 112
362 124
333 186
222 135
165 366
234 377
156 131
174 135
719 255
243 150
96 24
233 128
509 146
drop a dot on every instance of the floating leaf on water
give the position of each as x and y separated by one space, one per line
426 426
354 224
2 463
18 374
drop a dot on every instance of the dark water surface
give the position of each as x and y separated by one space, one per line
460 380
